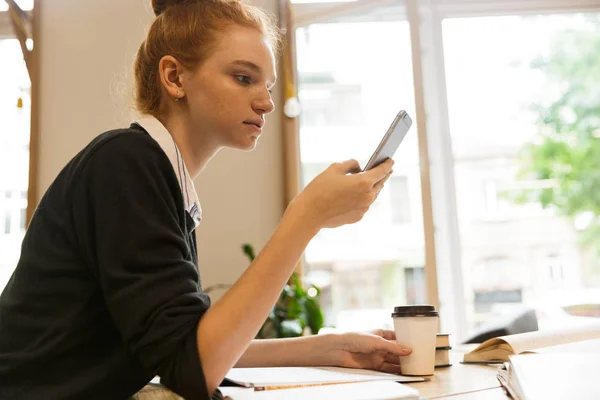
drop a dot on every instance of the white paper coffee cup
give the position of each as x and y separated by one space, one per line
416 328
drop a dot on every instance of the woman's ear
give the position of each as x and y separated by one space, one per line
170 70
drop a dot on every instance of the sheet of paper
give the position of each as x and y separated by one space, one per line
306 375
378 390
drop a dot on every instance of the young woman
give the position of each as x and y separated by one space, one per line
106 294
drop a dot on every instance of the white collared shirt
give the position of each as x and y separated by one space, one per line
159 133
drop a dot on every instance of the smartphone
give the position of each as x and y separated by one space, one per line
392 139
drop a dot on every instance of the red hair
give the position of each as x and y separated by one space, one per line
188 30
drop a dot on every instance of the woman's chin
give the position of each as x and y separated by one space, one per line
248 144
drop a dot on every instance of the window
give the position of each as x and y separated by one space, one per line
511 102
491 199
7 223
349 98
23 219
327 102
415 282
14 141
400 200
501 84
556 273
486 300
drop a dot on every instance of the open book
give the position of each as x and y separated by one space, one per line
499 349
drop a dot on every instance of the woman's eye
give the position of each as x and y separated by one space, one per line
243 79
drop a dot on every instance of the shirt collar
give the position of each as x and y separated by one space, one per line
159 133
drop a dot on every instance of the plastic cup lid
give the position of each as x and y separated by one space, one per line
415 311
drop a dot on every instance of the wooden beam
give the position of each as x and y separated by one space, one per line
21 25
290 93
421 116
289 124
34 135
22 15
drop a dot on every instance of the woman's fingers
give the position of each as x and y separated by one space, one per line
391 368
349 167
335 198
392 359
384 333
379 172
388 334
379 185
392 347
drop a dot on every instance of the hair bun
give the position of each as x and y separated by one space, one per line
161 5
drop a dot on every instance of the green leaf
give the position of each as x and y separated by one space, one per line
317 289
295 310
314 315
291 328
249 251
297 285
271 328
289 291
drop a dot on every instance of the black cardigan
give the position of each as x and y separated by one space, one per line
107 292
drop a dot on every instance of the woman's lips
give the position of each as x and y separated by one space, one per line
254 126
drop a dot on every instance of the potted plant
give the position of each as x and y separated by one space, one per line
296 312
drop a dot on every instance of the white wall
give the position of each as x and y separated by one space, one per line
87 51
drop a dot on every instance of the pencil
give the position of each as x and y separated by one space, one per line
302 385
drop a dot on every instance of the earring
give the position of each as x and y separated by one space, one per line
176 99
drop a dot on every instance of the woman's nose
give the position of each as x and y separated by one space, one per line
264 104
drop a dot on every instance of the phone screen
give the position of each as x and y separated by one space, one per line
391 140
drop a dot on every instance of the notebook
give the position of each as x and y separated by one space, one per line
375 390
278 377
552 376
442 357
442 340
499 349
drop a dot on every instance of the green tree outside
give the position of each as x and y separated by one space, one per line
566 151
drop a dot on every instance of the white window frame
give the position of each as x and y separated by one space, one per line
425 18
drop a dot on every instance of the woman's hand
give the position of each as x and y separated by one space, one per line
376 350
340 196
